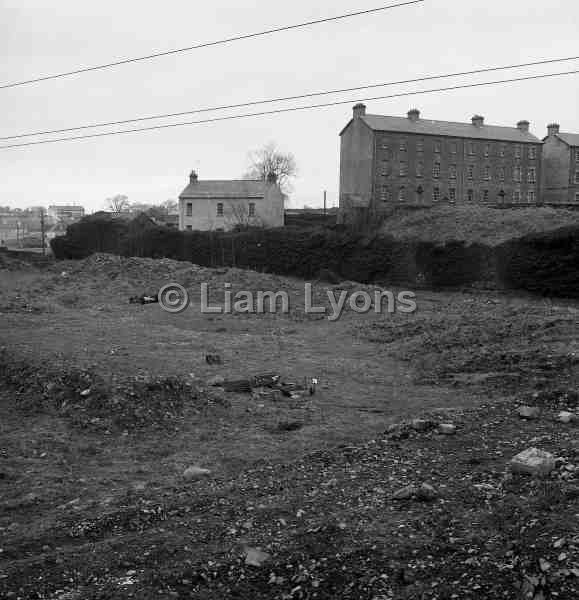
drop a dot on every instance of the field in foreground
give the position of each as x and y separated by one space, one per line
105 404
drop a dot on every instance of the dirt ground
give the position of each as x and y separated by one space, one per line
104 404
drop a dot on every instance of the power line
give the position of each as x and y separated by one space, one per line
286 98
292 109
208 44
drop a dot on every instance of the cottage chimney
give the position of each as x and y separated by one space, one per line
413 115
553 129
523 126
478 120
193 176
359 110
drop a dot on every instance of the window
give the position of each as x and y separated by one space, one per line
503 150
452 171
220 209
420 146
532 152
385 193
436 170
517 195
419 169
436 194
470 173
453 148
189 209
577 176
532 175
502 172
386 152
403 169
471 148
251 209
531 196
470 195
487 172
437 146
385 168
452 194
485 195
517 174
517 151
189 227
402 145
402 194
487 149
576 196
577 156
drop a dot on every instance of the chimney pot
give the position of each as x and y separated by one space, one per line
413 114
523 126
553 128
193 176
478 120
359 110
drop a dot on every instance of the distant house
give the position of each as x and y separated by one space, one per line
560 167
221 205
68 213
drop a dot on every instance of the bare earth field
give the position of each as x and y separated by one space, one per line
105 404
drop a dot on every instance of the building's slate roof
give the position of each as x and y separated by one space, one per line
569 138
448 129
233 188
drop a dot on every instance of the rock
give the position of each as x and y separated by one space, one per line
446 429
421 425
528 412
426 492
85 393
565 417
255 557
194 472
217 380
405 493
533 462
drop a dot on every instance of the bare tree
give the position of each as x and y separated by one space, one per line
241 217
269 160
118 203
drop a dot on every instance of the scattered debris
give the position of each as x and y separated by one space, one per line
528 412
213 359
566 417
255 557
195 472
144 299
446 429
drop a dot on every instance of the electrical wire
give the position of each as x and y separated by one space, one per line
229 40
291 109
286 98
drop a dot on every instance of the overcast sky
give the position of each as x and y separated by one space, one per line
438 36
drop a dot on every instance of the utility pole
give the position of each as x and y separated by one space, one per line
42 232
325 202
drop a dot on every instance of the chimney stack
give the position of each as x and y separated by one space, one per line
413 114
359 110
193 177
553 129
478 121
523 126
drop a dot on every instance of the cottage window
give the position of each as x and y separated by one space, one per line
487 172
403 169
385 193
532 153
437 146
189 209
517 195
470 172
503 150
251 209
577 176
419 169
531 196
436 170
452 171
502 173
420 146
532 175
517 174
471 148
402 145
487 149
402 194
452 194
517 151
436 194
470 195
220 209
485 195
189 227
453 148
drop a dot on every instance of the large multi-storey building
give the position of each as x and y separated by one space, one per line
68 213
387 161
560 167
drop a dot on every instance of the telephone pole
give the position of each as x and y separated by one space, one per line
42 232
325 202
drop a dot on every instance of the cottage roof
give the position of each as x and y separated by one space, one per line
448 129
572 139
226 189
